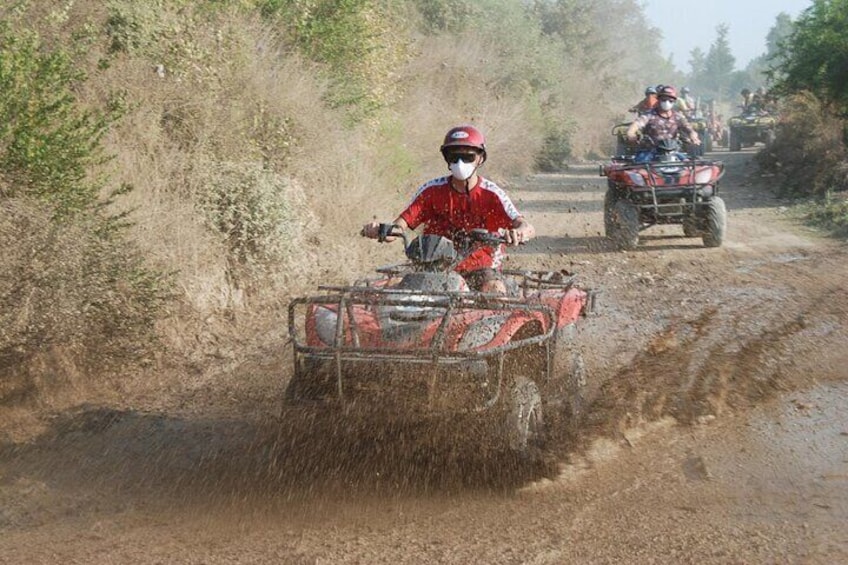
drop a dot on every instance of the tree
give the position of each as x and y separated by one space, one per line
815 55
698 64
719 64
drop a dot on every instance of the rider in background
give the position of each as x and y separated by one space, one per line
686 103
647 103
463 201
746 99
663 122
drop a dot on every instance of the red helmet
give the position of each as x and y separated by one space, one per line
464 136
667 92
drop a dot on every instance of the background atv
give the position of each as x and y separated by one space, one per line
663 186
700 125
751 127
416 341
623 146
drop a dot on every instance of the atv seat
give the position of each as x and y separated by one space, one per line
433 282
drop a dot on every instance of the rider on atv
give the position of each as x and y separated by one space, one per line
663 122
461 202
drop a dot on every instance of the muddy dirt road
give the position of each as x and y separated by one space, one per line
720 432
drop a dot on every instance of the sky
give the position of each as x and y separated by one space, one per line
686 25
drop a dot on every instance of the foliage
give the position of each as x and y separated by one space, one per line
257 211
451 16
49 144
814 55
62 285
809 156
69 277
362 42
832 214
711 73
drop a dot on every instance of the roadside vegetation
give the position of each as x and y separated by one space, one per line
810 154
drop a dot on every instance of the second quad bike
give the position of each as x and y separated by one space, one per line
415 340
661 185
751 127
700 125
623 147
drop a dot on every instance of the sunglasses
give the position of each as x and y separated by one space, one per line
465 157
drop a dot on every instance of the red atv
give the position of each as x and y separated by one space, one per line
416 340
661 185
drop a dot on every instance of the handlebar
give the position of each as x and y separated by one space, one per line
478 235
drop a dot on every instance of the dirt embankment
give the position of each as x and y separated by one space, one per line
719 432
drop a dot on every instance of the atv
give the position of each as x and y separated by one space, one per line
700 125
750 127
661 185
623 146
415 340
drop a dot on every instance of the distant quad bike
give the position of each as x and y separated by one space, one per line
751 127
700 125
623 146
663 186
414 340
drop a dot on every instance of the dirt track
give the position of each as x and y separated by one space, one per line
720 434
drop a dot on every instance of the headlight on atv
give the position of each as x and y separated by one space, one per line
636 178
703 176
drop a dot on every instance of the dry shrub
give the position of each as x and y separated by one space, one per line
256 107
809 156
59 299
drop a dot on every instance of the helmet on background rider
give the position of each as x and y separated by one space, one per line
684 91
464 136
667 91
650 90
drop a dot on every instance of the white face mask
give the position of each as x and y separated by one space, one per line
462 170
666 105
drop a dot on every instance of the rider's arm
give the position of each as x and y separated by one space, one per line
636 126
371 230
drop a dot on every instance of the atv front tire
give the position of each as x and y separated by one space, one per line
525 423
621 221
716 222
735 142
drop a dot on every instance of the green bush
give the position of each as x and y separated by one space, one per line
49 144
68 278
809 155
832 214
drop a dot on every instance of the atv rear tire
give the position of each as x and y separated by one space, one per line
716 222
621 221
525 423
707 143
